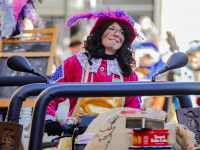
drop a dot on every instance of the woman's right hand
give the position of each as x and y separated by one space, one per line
53 128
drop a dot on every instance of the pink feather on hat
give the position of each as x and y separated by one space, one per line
17 7
102 16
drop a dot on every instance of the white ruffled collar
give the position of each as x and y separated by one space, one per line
112 65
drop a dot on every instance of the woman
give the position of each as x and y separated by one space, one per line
107 59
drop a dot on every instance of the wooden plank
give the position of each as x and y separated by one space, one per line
5 102
29 39
1 45
53 47
27 54
47 30
46 35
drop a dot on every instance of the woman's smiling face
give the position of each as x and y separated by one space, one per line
113 38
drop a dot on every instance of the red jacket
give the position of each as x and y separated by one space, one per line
73 70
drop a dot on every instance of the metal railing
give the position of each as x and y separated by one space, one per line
105 90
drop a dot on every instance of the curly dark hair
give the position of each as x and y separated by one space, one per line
95 49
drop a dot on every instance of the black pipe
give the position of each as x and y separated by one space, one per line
22 93
20 80
101 90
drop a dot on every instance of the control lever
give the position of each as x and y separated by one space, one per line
75 134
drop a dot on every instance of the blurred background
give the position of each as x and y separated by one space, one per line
179 17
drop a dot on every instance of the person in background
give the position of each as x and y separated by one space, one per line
149 60
149 63
75 46
194 66
107 58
